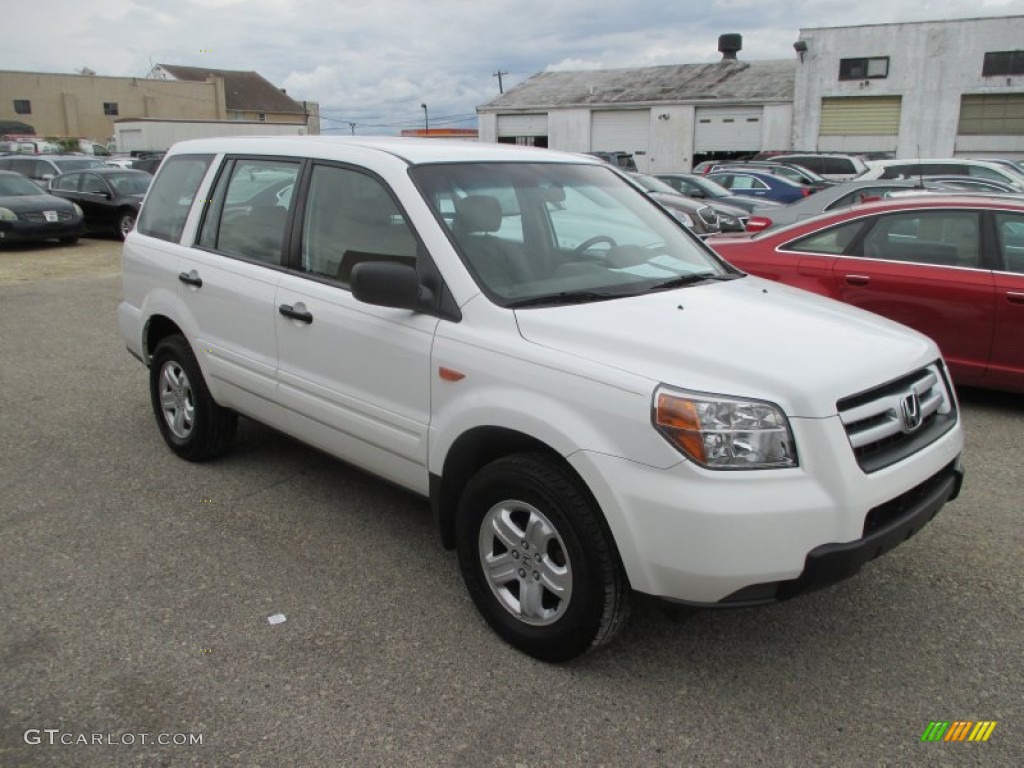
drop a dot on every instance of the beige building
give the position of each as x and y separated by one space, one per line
86 106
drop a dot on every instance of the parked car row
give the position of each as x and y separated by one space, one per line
63 197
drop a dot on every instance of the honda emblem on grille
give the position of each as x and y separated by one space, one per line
910 409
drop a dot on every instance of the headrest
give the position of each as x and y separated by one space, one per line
478 213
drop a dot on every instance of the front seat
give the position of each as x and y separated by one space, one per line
477 218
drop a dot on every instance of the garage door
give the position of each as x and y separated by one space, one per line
996 114
860 116
628 130
523 125
728 129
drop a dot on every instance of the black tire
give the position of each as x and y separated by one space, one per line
191 423
68 240
533 488
125 223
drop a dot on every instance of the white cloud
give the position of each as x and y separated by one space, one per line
375 63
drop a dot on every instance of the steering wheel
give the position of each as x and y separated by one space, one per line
586 245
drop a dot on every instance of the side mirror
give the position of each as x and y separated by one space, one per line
388 284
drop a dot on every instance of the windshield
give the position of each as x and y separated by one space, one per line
17 185
652 184
66 166
569 232
711 188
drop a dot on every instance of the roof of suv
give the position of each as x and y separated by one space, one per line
414 151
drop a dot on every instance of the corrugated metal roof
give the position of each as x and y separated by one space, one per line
755 81
243 91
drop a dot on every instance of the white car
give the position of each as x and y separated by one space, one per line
594 403
955 166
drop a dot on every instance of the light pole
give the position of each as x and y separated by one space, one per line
426 120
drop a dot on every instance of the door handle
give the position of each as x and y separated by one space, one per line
858 279
1014 297
191 278
298 312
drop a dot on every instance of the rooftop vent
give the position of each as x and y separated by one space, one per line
729 45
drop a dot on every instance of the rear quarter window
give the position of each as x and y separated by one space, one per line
174 189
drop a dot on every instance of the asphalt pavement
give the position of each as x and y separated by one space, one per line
137 588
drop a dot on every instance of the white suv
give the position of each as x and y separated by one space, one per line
592 400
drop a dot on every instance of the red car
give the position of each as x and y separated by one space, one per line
950 267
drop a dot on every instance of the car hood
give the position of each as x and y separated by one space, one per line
747 337
30 203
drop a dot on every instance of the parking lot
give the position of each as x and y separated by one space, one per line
137 589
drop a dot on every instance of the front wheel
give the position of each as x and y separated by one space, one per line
190 421
538 560
125 223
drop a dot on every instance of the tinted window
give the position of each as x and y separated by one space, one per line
246 217
1010 227
834 241
836 165
944 238
93 184
68 183
167 207
350 218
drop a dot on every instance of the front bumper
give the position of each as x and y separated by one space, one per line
29 231
708 538
886 527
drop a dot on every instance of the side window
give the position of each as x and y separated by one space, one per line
350 218
248 213
93 184
832 241
1011 241
943 238
901 171
747 182
171 196
68 182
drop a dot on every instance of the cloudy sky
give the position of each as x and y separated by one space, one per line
373 62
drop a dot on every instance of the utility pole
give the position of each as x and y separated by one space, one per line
498 74
352 126
426 120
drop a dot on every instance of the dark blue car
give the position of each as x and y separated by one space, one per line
763 186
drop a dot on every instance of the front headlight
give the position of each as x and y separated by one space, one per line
728 221
6 214
720 432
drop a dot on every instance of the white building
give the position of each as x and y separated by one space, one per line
927 89
669 117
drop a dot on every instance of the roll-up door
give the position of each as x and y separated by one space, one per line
860 116
626 130
992 114
523 125
728 129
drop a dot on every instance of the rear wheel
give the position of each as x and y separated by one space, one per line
537 559
190 421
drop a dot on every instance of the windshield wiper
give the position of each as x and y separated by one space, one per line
693 279
565 297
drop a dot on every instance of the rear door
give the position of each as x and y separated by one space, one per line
229 278
96 198
1007 364
925 269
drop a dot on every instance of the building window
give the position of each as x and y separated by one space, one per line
863 69
1003 63
261 116
22 107
110 108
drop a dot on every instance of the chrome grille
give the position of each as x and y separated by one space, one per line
888 423
39 218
